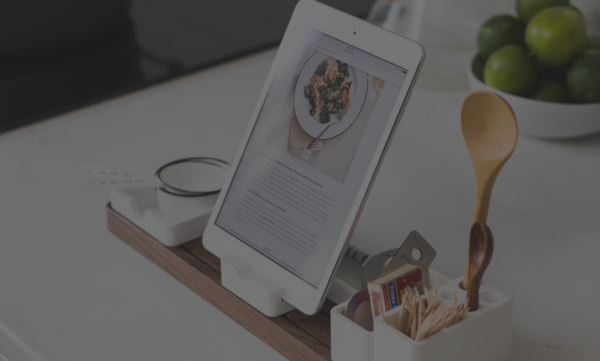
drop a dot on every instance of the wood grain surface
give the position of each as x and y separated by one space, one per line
294 335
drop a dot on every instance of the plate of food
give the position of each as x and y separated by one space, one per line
324 88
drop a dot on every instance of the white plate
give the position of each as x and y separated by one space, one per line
542 119
312 126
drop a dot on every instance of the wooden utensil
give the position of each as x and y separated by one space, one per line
481 247
490 131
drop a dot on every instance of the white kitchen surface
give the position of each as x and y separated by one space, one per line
70 290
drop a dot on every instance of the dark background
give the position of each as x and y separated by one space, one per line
59 55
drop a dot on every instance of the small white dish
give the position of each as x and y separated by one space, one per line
141 207
193 177
180 206
542 119
177 211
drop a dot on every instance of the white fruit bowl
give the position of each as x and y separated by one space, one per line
542 119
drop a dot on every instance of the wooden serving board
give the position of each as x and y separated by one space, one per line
294 335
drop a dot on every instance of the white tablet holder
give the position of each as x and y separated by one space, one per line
260 292
266 295
356 270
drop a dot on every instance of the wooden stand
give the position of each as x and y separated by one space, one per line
294 335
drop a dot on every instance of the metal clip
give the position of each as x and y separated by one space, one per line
358 268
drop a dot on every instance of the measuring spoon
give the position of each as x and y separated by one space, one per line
490 131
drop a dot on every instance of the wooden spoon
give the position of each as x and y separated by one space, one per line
490 131
481 247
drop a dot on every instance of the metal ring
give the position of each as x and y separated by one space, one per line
181 192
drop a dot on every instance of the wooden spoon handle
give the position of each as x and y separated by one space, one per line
483 194
473 294
481 247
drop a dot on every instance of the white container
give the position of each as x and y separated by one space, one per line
349 341
170 219
543 119
484 335
183 207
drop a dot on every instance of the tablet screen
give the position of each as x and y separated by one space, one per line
309 151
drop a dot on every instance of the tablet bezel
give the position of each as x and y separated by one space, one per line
368 38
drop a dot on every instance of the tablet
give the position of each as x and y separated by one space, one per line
324 119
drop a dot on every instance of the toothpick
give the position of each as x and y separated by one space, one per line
426 315
411 316
453 316
423 330
400 316
421 311
431 308
419 318
438 320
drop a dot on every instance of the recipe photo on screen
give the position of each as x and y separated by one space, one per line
309 151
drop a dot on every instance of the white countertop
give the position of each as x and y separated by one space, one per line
70 290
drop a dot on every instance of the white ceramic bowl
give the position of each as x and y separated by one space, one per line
542 119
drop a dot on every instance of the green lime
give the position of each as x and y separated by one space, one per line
499 31
570 6
550 91
556 35
527 9
593 42
583 77
511 70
